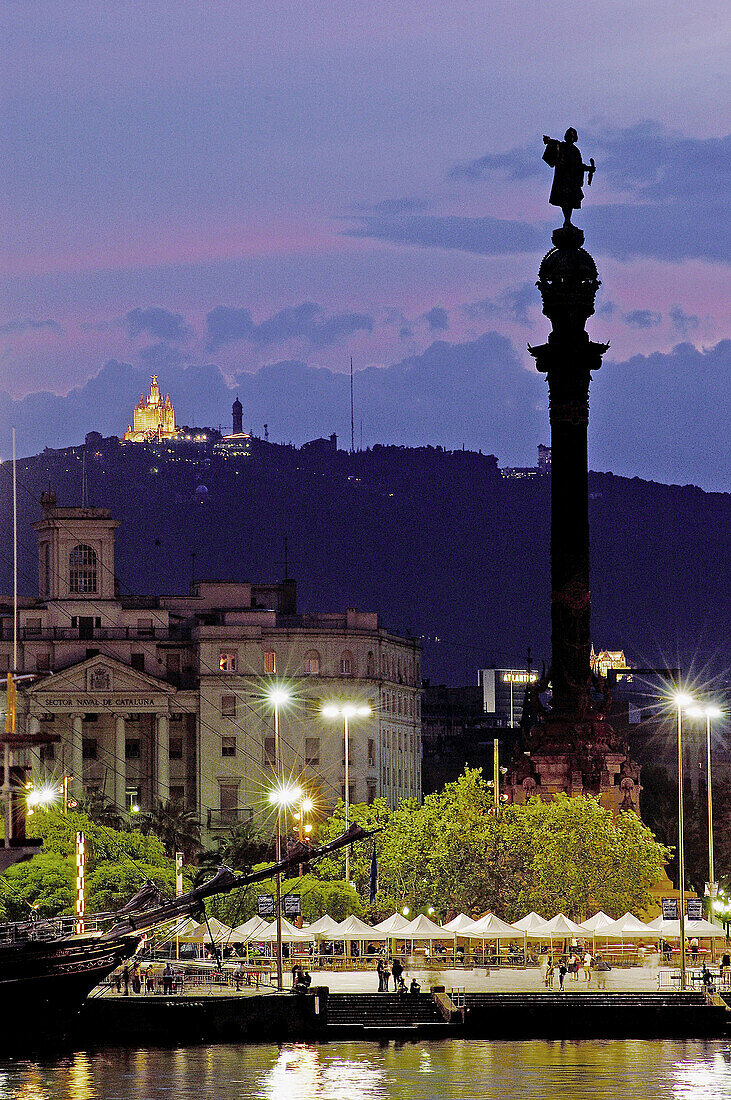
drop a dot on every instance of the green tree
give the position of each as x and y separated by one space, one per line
44 886
374 816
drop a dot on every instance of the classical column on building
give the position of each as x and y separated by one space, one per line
162 757
120 761
572 747
33 759
77 755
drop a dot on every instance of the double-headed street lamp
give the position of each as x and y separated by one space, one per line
347 711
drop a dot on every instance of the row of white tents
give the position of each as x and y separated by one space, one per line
422 929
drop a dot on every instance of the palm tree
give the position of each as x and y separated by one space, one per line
177 827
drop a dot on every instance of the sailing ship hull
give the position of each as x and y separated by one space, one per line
44 984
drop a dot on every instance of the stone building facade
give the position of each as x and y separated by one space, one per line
165 697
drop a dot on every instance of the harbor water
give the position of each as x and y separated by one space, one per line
454 1069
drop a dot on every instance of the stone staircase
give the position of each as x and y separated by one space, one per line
374 1015
573 1015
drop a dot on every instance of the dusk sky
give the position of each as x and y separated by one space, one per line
224 187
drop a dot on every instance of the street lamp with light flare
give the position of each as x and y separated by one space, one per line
681 700
708 712
347 711
283 796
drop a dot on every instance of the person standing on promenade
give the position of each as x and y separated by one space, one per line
562 974
588 960
397 970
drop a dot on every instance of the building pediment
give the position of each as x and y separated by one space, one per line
98 684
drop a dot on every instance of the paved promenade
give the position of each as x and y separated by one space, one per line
507 980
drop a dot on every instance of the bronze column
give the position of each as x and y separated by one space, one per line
568 283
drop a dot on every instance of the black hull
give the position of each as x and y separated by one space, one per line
43 985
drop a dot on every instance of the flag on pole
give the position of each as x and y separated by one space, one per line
374 875
11 705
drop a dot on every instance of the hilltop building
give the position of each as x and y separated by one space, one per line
153 418
239 441
159 698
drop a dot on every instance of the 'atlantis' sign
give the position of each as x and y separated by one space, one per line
102 702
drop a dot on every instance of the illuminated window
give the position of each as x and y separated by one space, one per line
228 746
82 569
228 661
312 663
228 706
270 662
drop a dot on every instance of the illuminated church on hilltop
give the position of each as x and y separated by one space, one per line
153 417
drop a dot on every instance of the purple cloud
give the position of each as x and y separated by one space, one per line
642 318
308 321
18 328
437 319
162 324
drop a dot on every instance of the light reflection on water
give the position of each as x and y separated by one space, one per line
450 1070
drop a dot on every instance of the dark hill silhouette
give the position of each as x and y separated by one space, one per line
437 542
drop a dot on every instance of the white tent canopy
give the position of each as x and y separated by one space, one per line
220 932
560 927
421 928
595 925
353 928
323 928
628 927
252 929
395 927
535 927
491 927
289 932
461 925
699 929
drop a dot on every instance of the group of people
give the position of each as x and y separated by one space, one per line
301 979
555 970
144 980
396 972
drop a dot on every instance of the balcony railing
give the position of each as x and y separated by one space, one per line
228 819
98 634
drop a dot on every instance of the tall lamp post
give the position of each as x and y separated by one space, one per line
282 796
347 711
681 701
278 696
708 712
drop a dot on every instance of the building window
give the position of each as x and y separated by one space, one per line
228 706
45 569
312 663
228 660
228 801
371 752
228 746
82 569
175 751
132 749
371 793
43 662
312 751
177 795
144 628
48 754
32 626
137 661
270 662
89 748
270 758
172 665
370 664
4 662
346 663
